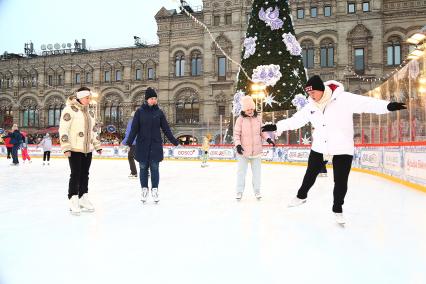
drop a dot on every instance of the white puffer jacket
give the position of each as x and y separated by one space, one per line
77 129
334 129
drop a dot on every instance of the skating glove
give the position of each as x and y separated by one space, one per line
269 128
240 149
269 140
393 106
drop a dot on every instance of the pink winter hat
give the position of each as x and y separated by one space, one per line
247 103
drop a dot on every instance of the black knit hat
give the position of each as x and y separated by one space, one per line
150 93
315 83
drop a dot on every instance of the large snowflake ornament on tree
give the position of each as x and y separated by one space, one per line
236 103
271 18
269 75
292 44
250 46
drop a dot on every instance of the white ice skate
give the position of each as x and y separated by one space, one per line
74 205
144 194
154 193
258 195
85 203
239 196
339 218
296 202
133 176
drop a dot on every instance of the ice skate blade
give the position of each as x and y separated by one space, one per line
87 210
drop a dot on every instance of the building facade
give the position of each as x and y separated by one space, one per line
356 42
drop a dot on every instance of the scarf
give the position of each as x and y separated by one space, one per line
325 99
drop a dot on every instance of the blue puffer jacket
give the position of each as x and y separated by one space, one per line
146 126
15 138
126 135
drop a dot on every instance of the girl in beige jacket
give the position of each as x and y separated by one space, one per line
79 137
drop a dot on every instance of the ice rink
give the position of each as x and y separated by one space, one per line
199 233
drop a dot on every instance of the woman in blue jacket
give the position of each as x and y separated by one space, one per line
146 125
132 149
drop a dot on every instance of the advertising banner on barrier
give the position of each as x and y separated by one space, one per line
392 161
267 154
415 165
371 158
298 155
221 153
186 153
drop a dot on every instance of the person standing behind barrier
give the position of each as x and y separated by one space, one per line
205 149
248 142
46 144
79 137
132 149
147 123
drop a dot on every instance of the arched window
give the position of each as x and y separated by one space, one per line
327 53
308 53
6 113
187 107
196 64
29 115
112 111
179 64
54 110
34 78
393 53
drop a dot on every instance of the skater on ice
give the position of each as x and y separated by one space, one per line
132 148
16 141
46 145
205 149
248 143
330 110
79 138
24 149
148 121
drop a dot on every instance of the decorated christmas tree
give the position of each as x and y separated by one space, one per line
272 55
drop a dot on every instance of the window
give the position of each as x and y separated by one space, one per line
23 81
6 113
29 113
77 78
180 65
308 55
221 67
50 80
54 115
216 20
394 53
221 110
112 114
327 55
34 81
359 60
314 12
60 83
366 6
107 76
228 19
327 11
196 65
118 75
300 13
151 74
351 8
138 74
187 110
88 77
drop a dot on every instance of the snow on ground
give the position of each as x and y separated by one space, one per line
199 233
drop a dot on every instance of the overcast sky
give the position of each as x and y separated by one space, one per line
103 24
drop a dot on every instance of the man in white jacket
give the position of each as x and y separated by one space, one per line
330 111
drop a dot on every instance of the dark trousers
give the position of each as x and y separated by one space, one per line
9 152
324 168
79 178
131 159
155 173
341 168
15 154
46 155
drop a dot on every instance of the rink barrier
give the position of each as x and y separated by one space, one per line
404 163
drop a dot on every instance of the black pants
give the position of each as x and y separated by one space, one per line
46 155
15 149
324 168
131 159
9 152
341 168
79 178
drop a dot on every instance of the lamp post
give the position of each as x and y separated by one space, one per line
258 93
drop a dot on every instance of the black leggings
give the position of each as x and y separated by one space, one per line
46 155
341 168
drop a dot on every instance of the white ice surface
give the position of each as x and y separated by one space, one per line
200 234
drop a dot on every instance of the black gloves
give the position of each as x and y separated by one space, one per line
269 127
393 106
269 140
240 149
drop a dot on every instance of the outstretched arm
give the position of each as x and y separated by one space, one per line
298 120
364 104
166 129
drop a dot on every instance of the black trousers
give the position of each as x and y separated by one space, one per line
9 152
46 155
341 168
131 159
79 178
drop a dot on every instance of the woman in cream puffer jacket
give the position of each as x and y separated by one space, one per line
78 131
